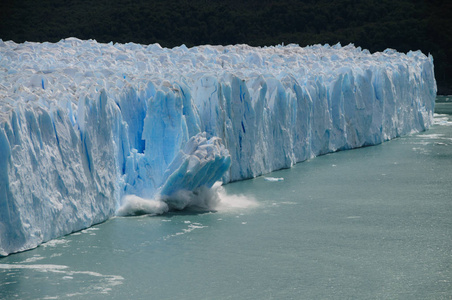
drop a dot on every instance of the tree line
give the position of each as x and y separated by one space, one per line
371 24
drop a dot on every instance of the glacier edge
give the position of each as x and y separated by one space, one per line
80 133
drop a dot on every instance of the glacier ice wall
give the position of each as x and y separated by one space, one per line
85 125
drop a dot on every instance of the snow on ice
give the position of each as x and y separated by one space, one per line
90 129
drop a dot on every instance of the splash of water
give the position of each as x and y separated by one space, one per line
201 199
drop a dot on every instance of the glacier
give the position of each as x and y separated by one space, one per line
89 130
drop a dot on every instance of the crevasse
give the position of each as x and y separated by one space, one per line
85 125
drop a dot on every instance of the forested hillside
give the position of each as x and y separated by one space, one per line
372 24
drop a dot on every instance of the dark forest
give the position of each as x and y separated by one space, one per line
375 25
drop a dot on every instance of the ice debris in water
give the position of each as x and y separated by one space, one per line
273 179
88 128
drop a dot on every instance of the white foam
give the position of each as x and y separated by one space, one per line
201 198
273 179
103 285
135 206
33 259
189 229
235 201
43 268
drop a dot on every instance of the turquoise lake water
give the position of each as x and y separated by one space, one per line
370 223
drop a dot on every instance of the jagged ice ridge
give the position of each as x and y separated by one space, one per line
88 129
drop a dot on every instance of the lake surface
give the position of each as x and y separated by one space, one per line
370 223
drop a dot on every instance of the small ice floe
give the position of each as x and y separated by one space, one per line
273 178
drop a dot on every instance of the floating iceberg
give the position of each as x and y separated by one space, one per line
87 129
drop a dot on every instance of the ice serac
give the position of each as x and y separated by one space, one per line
90 129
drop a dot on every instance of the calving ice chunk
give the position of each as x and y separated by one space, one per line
201 163
88 129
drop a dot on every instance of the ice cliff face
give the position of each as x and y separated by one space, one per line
85 126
